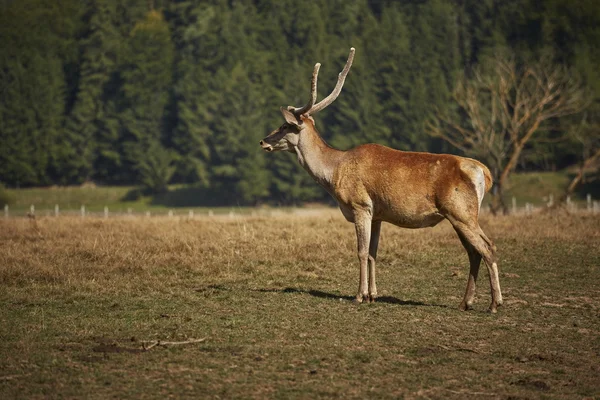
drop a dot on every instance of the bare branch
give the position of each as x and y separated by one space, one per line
148 344
436 131
505 105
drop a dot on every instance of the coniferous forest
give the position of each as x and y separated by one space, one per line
158 92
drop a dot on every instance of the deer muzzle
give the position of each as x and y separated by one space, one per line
265 146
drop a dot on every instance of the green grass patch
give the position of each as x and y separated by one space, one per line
95 198
537 187
118 199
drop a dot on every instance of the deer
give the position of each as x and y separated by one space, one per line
373 183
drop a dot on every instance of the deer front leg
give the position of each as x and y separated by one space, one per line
362 223
374 243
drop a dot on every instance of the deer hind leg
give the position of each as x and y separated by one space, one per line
373 244
494 279
362 223
484 246
475 262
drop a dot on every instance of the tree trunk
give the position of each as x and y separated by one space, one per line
498 205
516 153
578 178
512 162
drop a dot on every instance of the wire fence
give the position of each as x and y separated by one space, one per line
83 212
517 208
590 206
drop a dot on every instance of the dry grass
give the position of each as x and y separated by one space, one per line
80 300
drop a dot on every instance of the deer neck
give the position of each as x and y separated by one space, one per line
317 157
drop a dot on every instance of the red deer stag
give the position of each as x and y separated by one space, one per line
374 183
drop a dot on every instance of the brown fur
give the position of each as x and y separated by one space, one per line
404 188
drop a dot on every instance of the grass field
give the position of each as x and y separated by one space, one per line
268 302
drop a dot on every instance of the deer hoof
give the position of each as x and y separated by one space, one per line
372 298
362 298
493 309
465 307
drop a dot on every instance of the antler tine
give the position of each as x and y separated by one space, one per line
313 93
338 87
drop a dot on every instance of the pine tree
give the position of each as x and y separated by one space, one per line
146 71
36 37
196 37
389 50
238 170
88 139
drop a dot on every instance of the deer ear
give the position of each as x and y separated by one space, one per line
290 117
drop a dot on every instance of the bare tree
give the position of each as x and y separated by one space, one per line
500 109
587 136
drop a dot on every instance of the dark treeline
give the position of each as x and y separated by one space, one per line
158 92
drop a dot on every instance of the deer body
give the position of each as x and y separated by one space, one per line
374 184
410 190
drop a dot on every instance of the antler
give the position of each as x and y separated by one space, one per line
311 107
338 86
313 93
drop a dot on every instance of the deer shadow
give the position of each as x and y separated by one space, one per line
333 296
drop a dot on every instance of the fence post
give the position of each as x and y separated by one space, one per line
589 202
105 212
210 213
514 205
6 211
148 214
129 211
170 213
550 200
191 214
56 210
32 210
82 211
596 207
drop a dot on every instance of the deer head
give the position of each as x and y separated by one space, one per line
287 136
